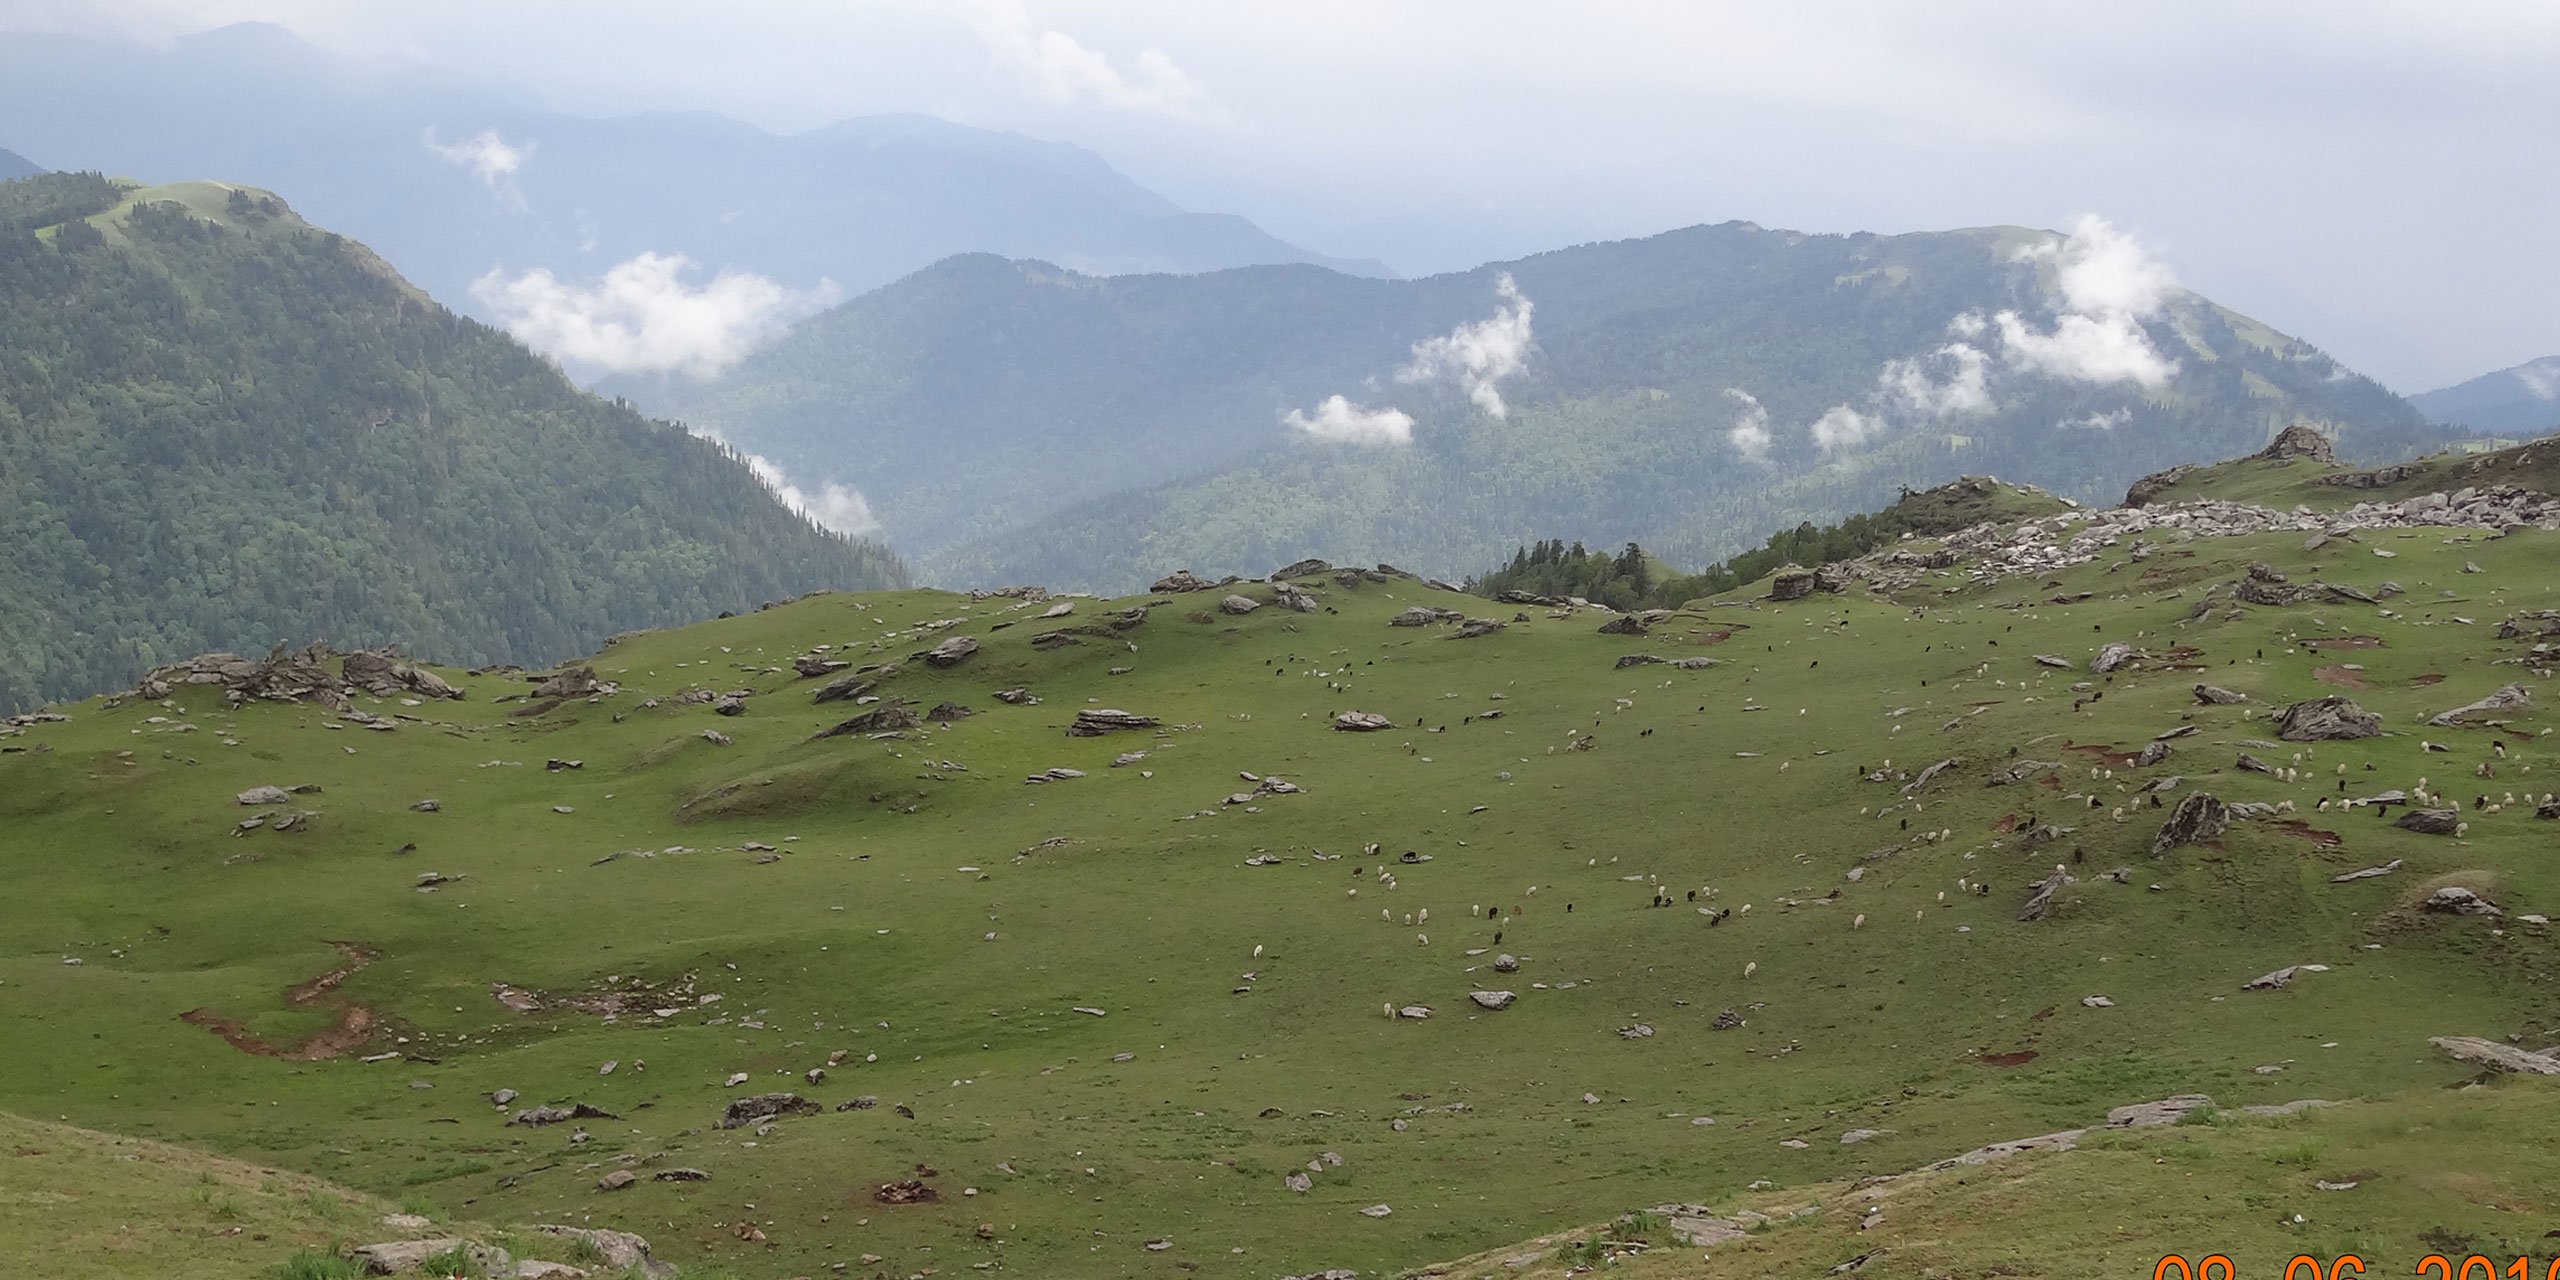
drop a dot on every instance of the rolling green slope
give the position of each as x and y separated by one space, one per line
221 427
1011 421
1106 1015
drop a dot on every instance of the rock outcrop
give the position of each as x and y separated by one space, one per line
2197 818
2326 720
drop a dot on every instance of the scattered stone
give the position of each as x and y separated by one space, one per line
1362 722
1474 628
1726 1021
1181 581
1637 1032
2216 696
393 1257
264 795
1625 624
2111 655
1506 963
621 1250
1376 1211
2041 903
616 1180
2056 661
1298 1182
1856 1136
2251 764
1016 697
1237 606
2366 873
892 716
681 1175
2152 753
729 704
2098 1002
863 1103
1417 1012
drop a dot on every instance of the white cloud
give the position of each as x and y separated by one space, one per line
840 508
2107 348
1841 427
1479 356
1061 71
489 157
2098 421
2108 285
1341 421
1750 433
1915 384
2101 269
642 317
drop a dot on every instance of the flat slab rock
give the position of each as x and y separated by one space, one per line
2496 1056
623 1251
763 1106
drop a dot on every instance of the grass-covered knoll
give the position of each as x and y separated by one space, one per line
225 427
2388 1181
76 1204
1687 391
1634 577
910 916
2327 485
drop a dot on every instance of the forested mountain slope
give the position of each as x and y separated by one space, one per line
1011 420
221 427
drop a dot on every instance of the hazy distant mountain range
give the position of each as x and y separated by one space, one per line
451 179
1012 420
13 165
2524 400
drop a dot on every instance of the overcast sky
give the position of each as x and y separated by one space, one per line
2382 179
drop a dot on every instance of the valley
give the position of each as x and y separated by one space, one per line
1198 996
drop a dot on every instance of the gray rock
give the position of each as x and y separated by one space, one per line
2431 822
395 1256
264 795
1506 963
1298 1182
2326 720
1362 722
2251 764
2041 903
1093 722
764 1106
2144 1115
1180 581
1473 628
2366 873
730 704
950 652
2217 696
622 1250
1376 1211
616 1180
1417 1012
2495 1056
681 1175
2454 900
2512 697
2152 753
2271 981
2111 655
1238 606
1792 582
1492 999
2056 661
2198 817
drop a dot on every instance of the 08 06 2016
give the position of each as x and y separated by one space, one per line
2434 1266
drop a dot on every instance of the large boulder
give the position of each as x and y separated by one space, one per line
1094 722
1492 999
2297 441
1179 581
2152 486
2326 720
2431 822
2197 818
892 716
951 651
2496 1056
1362 722
622 1251
573 682
1238 606
1793 582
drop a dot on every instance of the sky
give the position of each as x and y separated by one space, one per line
2382 179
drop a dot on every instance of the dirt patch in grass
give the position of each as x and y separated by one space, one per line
2308 832
2332 644
2341 675
355 1022
2017 1058
2431 677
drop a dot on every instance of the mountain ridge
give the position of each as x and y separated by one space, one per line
1115 425
2523 398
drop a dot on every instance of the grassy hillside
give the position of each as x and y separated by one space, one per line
223 427
1011 421
1124 1005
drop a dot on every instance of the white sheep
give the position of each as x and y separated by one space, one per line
1750 968
1860 922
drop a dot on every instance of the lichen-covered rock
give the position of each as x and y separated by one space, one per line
2327 719
2197 818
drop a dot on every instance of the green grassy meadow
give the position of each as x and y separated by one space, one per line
921 911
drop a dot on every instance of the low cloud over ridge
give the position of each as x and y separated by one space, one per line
1750 434
2108 285
1340 421
641 317
1479 356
